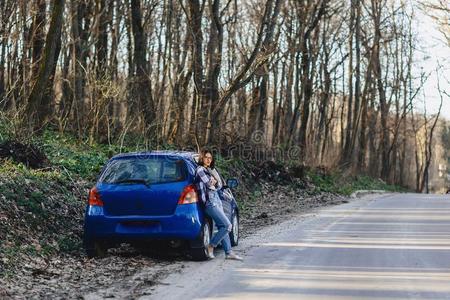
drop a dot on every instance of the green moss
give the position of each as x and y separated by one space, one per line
33 203
48 249
74 157
69 244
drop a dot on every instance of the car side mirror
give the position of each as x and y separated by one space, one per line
232 183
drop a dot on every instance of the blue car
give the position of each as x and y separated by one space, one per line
146 197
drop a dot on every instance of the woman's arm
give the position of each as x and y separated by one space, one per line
216 176
209 182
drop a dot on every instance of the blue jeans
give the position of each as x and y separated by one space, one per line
214 209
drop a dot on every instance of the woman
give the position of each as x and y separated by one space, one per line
208 184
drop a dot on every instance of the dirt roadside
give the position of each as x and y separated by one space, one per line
128 274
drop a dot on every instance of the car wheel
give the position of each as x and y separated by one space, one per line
201 253
234 234
96 249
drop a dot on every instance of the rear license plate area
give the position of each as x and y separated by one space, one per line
139 223
138 227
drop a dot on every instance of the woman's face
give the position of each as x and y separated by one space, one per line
207 159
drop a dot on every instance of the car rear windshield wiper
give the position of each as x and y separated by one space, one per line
131 180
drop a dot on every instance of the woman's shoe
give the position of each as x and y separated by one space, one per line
233 256
211 252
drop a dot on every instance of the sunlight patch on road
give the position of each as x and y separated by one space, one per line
356 246
284 296
384 232
381 241
402 224
398 217
367 273
390 210
346 281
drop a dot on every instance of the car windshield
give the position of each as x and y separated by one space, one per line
138 170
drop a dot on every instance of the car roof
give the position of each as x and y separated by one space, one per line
182 154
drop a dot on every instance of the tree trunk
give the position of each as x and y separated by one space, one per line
348 149
356 111
142 89
261 111
101 45
194 17
38 35
77 67
38 110
214 57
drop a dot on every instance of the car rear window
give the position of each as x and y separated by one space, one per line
150 170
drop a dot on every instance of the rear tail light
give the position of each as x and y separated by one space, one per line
189 195
94 197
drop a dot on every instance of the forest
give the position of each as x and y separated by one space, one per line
324 82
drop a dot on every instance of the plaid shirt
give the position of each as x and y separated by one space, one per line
203 183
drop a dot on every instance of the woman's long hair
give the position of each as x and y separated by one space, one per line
202 157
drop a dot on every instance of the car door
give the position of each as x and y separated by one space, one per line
227 198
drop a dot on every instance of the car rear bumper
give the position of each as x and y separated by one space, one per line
184 224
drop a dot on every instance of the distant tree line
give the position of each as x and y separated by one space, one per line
333 78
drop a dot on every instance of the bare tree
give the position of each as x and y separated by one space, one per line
38 106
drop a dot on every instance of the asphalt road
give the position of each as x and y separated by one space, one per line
384 247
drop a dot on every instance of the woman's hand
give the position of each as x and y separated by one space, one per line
213 181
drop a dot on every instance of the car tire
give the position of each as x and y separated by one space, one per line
234 234
96 249
201 253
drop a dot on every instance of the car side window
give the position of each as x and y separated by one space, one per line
169 171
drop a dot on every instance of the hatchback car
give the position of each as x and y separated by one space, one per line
151 196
